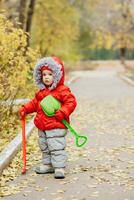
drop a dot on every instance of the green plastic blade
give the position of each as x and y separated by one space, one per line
50 105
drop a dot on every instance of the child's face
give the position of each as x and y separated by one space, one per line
47 77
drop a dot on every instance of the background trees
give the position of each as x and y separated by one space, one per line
76 29
55 28
113 24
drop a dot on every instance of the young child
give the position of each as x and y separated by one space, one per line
49 77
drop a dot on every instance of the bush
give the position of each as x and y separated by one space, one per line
15 69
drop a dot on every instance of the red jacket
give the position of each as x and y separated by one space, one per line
57 90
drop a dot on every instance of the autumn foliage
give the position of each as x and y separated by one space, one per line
15 66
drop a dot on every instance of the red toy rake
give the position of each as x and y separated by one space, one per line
23 142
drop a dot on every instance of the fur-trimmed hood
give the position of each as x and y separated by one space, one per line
57 67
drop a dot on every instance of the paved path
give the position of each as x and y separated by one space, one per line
104 169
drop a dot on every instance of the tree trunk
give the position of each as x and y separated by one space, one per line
29 19
122 54
22 9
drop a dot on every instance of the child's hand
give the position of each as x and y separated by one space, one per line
22 112
59 115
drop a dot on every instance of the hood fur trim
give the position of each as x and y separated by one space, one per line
54 66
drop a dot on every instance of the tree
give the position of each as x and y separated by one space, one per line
55 28
29 18
85 9
22 13
10 8
113 21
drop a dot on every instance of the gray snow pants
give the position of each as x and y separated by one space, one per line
52 144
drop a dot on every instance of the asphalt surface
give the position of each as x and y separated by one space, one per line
104 168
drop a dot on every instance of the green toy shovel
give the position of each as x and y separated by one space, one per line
50 105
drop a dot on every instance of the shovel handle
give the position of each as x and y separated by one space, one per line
77 136
23 143
70 128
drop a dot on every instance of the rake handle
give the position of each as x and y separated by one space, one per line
23 142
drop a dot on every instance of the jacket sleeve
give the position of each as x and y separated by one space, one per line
68 102
31 106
